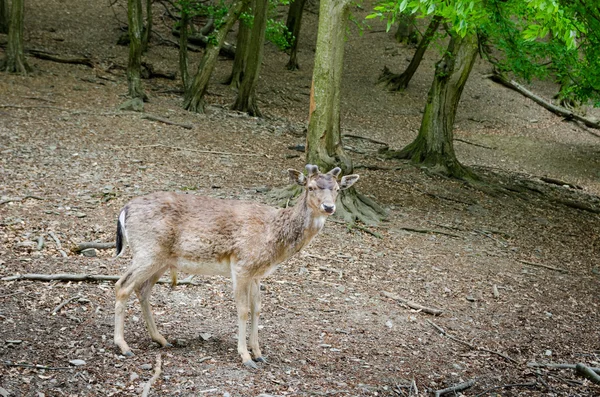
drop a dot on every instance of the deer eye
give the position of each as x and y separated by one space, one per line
311 188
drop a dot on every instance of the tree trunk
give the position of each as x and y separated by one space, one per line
406 30
398 82
134 81
433 146
148 28
15 61
4 16
194 98
246 97
293 24
183 51
324 140
241 52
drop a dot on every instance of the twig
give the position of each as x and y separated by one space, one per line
165 121
587 373
474 144
81 277
56 240
544 266
63 304
413 305
13 294
86 245
36 366
160 145
559 366
366 139
428 231
443 332
157 371
10 200
458 387
483 393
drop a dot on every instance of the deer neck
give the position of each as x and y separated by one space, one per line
299 225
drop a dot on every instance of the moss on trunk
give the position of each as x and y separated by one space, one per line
134 66
15 61
293 23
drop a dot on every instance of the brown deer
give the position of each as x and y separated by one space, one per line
201 235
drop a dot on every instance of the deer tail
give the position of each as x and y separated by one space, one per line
121 233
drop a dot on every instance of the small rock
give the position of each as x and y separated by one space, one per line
90 253
205 336
548 352
389 324
180 343
262 189
80 214
146 366
341 288
77 363
324 345
4 392
14 341
133 376
302 271
471 298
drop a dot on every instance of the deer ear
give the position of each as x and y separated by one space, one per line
348 181
335 172
297 177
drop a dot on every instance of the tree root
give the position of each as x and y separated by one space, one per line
353 206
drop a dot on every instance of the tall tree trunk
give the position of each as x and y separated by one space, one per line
324 139
148 28
241 52
4 16
293 23
406 29
194 98
183 50
246 97
15 61
134 16
433 146
398 82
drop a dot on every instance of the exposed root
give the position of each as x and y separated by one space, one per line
353 206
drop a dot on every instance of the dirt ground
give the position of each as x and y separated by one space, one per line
329 326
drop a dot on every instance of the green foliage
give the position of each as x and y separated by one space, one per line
278 34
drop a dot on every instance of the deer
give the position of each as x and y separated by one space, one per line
240 239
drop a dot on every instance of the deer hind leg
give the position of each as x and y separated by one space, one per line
255 307
143 292
123 290
241 290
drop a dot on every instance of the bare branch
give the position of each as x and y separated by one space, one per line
157 372
453 389
413 305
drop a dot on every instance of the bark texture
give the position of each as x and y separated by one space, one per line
4 16
406 32
246 97
324 139
148 28
183 51
293 23
15 61
433 146
194 97
398 82
241 52
134 66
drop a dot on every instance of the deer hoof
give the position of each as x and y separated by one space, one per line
250 364
129 353
260 360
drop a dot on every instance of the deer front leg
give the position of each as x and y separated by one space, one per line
241 289
255 307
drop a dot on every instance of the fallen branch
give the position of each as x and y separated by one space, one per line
567 114
544 266
453 389
443 332
428 231
81 277
559 366
65 303
48 56
587 373
160 145
13 199
578 206
474 144
366 139
36 366
165 121
559 183
87 245
157 371
413 305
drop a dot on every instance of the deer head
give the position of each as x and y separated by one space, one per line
321 190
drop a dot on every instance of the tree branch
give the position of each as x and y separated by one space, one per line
413 305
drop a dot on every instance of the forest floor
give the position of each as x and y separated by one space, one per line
516 271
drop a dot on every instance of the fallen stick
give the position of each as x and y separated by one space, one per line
474 144
11 200
559 366
82 277
160 145
453 389
366 139
56 240
65 303
413 305
87 245
165 121
157 371
428 231
36 366
443 332
587 373
544 266
558 182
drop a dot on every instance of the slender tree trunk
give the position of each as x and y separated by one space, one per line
183 51
246 97
406 29
293 24
433 146
241 52
4 16
398 82
194 98
148 28
15 61
134 16
324 139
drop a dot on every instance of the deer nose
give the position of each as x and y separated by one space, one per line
330 209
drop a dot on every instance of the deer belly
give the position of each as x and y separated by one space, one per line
217 268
